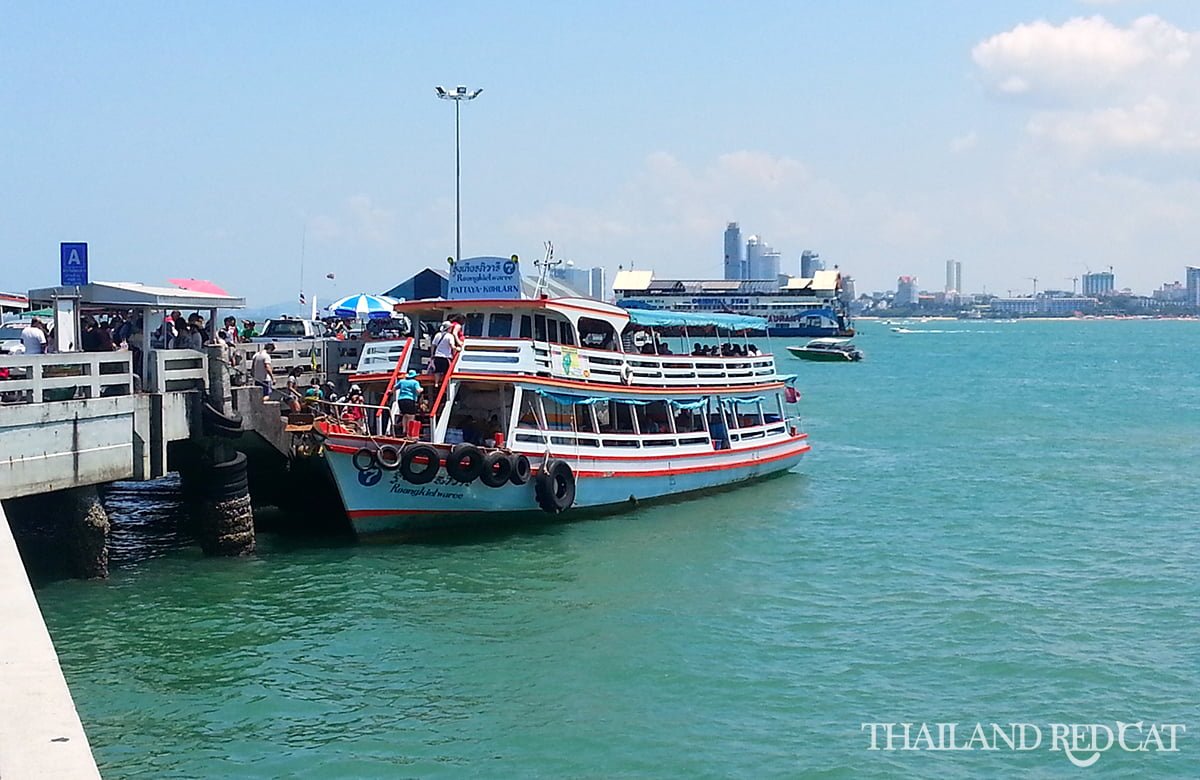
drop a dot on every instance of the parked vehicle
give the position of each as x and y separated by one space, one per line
290 329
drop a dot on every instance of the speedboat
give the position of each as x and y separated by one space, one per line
828 350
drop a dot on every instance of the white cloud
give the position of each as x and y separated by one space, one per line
964 143
1097 87
357 219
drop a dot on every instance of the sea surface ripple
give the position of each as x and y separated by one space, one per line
995 525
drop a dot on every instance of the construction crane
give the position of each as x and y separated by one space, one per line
1074 281
1033 279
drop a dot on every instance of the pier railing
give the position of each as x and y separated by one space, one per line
65 376
176 369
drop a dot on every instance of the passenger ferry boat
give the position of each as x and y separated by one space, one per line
809 307
549 408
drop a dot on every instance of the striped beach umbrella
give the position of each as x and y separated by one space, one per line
363 306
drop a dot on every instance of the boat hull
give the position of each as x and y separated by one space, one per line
822 355
381 501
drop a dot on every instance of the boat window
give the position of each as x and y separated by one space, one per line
558 416
654 417
597 334
474 324
500 326
689 421
526 327
583 418
529 416
617 417
552 329
539 327
567 332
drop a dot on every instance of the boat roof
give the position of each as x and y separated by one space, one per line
588 307
827 342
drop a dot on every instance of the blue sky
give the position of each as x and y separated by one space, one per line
1023 139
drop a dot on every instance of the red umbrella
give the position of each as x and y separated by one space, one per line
198 285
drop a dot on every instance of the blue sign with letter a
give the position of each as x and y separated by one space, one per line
74 264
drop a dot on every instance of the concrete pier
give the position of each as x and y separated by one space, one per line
40 733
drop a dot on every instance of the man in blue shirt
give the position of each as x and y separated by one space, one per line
404 407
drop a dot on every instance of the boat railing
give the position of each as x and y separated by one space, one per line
521 356
585 440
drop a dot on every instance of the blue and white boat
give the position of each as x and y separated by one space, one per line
792 306
550 408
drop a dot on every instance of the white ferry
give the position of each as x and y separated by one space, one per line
792 306
549 408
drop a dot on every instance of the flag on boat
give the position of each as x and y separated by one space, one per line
301 299
363 306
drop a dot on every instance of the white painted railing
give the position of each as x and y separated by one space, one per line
176 369
65 376
520 356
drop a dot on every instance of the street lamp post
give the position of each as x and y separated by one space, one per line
459 94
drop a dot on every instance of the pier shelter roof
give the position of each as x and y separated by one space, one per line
132 295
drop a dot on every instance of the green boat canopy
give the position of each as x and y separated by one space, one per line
695 319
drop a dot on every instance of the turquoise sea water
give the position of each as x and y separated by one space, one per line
997 523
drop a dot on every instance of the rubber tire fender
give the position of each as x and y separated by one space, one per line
521 471
496 470
554 486
388 456
364 456
408 458
464 463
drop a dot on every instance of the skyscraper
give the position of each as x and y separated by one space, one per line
907 293
953 277
762 262
1193 285
810 263
1099 283
734 262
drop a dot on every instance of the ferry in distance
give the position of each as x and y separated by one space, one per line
796 306
547 408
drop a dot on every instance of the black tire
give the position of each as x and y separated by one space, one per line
464 463
364 460
237 463
496 471
521 470
216 424
555 487
388 456
428 469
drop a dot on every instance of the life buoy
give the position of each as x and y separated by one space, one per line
388 456
464 463
496 470
521 470
555 486
426 470
364 460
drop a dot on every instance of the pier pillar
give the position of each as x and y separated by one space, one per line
87 533
226 517
220 393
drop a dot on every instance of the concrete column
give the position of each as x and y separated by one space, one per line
226 517
220 394
87 533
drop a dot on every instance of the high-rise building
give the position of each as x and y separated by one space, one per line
762 262
907 293
810 263
1193 285
734 258
1099 283
848 294
953 277
585 281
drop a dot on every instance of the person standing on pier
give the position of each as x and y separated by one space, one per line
34 338
261 369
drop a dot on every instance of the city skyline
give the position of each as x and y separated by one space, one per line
1038 139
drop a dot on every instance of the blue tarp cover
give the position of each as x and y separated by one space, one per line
698 319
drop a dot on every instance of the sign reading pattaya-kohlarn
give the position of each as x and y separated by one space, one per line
485 278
